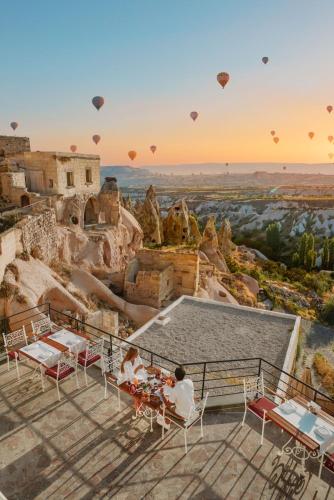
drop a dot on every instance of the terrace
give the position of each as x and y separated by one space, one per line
85 447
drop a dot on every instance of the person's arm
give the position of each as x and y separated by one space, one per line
128 371
138 365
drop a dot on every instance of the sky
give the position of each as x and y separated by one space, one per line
155 61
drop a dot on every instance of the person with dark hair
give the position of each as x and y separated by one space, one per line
179 400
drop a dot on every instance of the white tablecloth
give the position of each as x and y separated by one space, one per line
73 342
42 353
307 423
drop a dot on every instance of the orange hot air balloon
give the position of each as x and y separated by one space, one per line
73 148
311 135
98 101
276 140
273 132
96 138
194 115
14 125
265 60
223 78
132 155
329 108
153 148
330 138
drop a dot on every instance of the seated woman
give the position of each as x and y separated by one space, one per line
132 367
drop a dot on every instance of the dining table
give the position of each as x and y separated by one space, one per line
311 431
147 395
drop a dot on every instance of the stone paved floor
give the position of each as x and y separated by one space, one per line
84 448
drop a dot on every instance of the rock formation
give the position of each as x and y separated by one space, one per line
180 227
148 216
225 238
209 245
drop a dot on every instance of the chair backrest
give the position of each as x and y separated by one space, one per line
253 386
111 363
67 360
197 410
41 326
14 338
94 347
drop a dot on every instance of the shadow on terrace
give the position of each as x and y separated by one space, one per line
84 447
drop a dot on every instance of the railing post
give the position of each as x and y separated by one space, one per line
110 348
260 367
203 381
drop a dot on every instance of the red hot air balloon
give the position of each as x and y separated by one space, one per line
329 108
265 60
223 78
98 101
194 115
132 155
14 125
73 148
96 138
330 138
276 140
153 148
311 135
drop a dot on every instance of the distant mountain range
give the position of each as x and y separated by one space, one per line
128 176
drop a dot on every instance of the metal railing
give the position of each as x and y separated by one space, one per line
223 379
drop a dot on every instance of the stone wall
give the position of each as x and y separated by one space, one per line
149 287
39 235
10 145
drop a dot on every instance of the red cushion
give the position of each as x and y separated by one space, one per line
11 354
259 405
91 359
52 372
329 462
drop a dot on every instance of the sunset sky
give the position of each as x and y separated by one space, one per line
155 61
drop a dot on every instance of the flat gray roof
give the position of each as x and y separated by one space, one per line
202 330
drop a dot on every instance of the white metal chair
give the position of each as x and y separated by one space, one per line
256 401
92 355
327 460
42 327
12 342
111 367
196 414
64 369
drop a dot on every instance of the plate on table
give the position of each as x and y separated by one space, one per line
287 408
323 432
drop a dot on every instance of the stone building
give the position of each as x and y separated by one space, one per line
154 276
67 182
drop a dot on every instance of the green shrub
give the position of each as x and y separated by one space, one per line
327 314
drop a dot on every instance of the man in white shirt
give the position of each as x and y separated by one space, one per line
181 397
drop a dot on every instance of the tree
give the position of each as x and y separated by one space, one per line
325 254
274 238
331 254
302 249
310 259
295 259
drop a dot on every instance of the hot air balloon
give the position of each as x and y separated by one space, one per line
73 148
96 138
329 108
311 135
194 115
265 60
276 140
223 78
153 148
98 101
273 132
284 168
14 125
132 155
330 138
